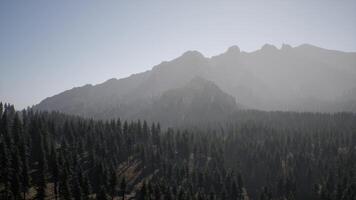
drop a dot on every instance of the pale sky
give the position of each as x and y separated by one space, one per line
47 47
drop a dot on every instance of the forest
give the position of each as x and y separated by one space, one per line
254 155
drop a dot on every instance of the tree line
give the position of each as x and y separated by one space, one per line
255 155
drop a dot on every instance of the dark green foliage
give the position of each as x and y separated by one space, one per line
257 155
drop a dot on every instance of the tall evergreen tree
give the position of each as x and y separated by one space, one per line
102 194
1 111
4 169
64 189
14 180
53 163
142 195
112 184
86 188
123 187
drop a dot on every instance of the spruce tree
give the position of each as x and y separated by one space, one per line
77 191
102 194
4 169
53 163
143 192
123 187
41 172
86 187
64 189
1 111
112 183
14 177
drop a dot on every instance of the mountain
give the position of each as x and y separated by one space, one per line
302 78
197 102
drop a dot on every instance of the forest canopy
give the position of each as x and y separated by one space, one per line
256 155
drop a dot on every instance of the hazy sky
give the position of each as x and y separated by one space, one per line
50 46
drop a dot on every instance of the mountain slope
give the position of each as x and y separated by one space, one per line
303 78
284 79
196 102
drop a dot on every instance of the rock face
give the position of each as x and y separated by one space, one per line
303 78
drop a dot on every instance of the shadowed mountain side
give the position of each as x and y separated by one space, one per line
200 101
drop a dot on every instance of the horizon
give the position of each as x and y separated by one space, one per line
278 47
118 78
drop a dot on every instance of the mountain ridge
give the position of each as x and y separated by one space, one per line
270 78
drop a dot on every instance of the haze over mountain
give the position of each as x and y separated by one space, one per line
302 78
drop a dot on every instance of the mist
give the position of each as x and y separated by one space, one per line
188 100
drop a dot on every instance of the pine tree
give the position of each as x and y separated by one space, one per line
234 191
157 192
20 156
41 182
14 180
77 191
53 163
123 188
86 187
1 111
112 184
41 169
16 131
143 192
5 131
145 130
64 190
4 169
24 177
102 194
266 194
15 186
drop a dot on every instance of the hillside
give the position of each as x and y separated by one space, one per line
302 78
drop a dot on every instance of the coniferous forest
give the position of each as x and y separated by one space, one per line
256 155
178 100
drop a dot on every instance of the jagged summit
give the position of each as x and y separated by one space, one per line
286 47
233 50
232 53
192 54
269 47
306 78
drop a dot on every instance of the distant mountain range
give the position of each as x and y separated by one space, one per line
192 86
